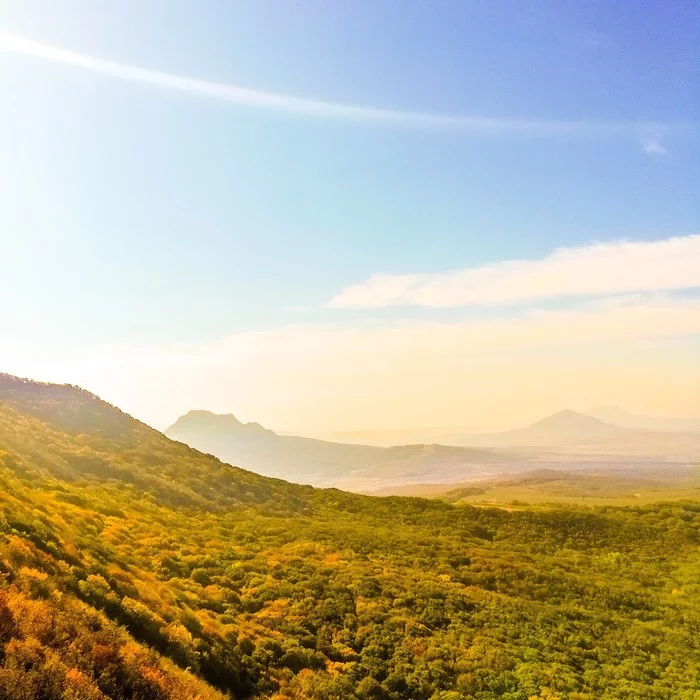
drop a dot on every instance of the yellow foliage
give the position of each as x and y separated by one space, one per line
20 552
79 687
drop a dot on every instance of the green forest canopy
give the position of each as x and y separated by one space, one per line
132 566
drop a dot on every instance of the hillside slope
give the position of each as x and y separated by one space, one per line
135 567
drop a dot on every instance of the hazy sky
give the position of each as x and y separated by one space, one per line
339 216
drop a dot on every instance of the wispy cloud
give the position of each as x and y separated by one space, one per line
594 270
316 108
654 147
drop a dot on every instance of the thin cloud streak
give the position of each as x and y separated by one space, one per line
595 270
315 108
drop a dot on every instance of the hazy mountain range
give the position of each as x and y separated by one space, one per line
319 462
574 433
365 467
562 428
454 435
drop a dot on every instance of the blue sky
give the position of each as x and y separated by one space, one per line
136 215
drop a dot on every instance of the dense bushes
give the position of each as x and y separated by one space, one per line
196 576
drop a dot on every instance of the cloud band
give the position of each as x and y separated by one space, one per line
595 270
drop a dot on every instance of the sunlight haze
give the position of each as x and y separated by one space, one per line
349 350
333 242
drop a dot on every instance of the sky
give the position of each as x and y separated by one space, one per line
327 216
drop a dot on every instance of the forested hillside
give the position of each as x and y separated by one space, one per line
135 567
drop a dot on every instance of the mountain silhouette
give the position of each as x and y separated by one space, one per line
323 463
574 432
561 428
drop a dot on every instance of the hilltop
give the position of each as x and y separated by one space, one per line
69 408
134 567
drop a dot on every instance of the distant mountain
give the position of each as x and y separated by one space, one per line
323 463
620 416
214 425
578 433
562 428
